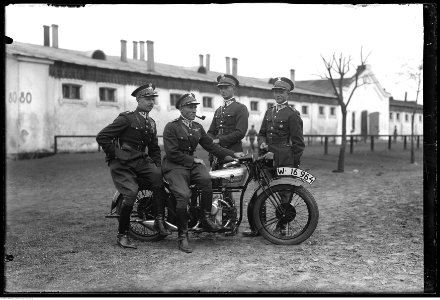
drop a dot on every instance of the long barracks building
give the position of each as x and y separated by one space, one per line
53 91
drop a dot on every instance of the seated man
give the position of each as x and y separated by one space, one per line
124 141
181 168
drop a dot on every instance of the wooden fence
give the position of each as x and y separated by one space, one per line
323 140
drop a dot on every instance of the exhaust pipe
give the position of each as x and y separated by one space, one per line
150 225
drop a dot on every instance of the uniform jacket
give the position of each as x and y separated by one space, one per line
230 125
128 137
283 132
180 142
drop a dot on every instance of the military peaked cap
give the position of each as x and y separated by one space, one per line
147 90
283 83
227 79
186 99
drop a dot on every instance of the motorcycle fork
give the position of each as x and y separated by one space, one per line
263 181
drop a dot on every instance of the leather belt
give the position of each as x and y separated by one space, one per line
140 148
278 140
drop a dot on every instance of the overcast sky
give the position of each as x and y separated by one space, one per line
268 39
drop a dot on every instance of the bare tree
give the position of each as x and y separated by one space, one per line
341 67
417 76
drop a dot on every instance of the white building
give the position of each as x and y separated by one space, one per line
52 91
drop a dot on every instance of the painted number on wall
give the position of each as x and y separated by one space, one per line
22 98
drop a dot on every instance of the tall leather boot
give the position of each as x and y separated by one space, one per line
182 230
123 239
159 210
206 203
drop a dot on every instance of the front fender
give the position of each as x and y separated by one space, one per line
275 181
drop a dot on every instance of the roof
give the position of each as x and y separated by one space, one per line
406 104
324 86
84 58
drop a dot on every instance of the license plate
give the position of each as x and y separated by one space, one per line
295 172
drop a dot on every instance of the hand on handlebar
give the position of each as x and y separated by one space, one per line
239 154
268 155
199 161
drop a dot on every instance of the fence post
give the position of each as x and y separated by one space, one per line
351 144
389 142
404 142
372 142
418 141
321 139
326 145
55 145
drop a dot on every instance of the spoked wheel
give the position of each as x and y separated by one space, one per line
286 216
142 218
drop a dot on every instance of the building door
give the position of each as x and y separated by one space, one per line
374 123
364 123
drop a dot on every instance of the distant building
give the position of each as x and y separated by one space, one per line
400 117
53 91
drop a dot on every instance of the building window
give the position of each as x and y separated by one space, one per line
72 91
391 116
270 105
207 102
254 106
173 99
406 118
304 110
321 110
332 111
397 116
107 95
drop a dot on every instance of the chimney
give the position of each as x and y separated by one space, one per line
46 35
142 50
207 62
406 94
124 50
292 75
200 60
150 54
228 67
234 66
54 36
135 50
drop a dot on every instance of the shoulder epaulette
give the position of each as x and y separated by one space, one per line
126 113
294 110
175 120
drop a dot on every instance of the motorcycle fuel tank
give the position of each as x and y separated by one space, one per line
231 176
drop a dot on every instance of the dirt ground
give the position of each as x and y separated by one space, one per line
369 238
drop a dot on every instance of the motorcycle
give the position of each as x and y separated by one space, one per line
283 213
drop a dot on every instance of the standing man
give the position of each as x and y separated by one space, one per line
230 122
124 141
181 168
281 131
251 134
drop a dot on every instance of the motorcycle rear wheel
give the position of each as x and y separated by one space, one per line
286 216
142 210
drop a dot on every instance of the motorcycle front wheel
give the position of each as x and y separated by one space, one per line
142 212
286 214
